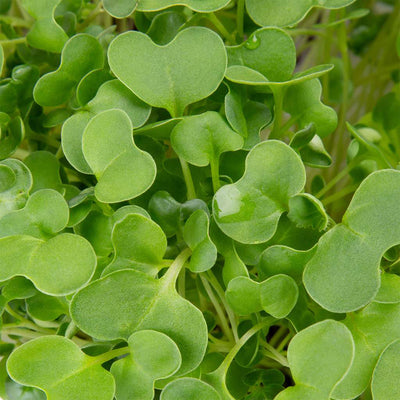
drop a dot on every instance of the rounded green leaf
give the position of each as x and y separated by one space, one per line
139 243
45 34
343 275
389 291
46 308
58 367
196 236
186 70
249 210
81 54
386 373
319 357
243 295
11 135
46 212
123 171
270 12
153 356
128 301
189 388
195 5
201 139
278 295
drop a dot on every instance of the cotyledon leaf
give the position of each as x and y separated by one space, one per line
81 54
127 301
46 212
123 170
58 266
387 371
373 329
287 12
111 94
184 71
153 356
343 275
45 34
319 357
57 366
268 58
139 243
248 211
196 235
189 388
123 8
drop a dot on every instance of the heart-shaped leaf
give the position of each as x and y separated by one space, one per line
189 388
373 329
153 356
57 267
268 58
45 34
249 210
123 171
343 275
276 295
58 367
196 235
268 12
201 139
186 70
128 301
139 243
386 372
319 357
81 54
45 213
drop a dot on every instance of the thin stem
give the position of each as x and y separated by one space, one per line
275 355
215 174
71 330
338 195
221 27
182 282
13 41
240 18
278 335
191 192
171 275
236 348
102 358
278 113
25 322
221 315
25 333
284 342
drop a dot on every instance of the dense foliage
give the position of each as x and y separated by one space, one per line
200 199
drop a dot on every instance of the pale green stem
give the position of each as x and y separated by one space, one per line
278 113
338 195
191 192
278 335
9 42
102 358
25 322
221 27
240 18
175 268
215 174
221 315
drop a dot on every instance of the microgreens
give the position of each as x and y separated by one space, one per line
199 199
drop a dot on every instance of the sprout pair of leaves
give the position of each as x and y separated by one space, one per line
289 12
110 95
127 301
45 34
15 184
249 210
80 55
122 170
123 8
58 367
201 139
343 275
277 295
153 355
56 264
319 357
184 71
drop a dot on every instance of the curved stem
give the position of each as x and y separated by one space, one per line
171 275
191 192
215 174
102 358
